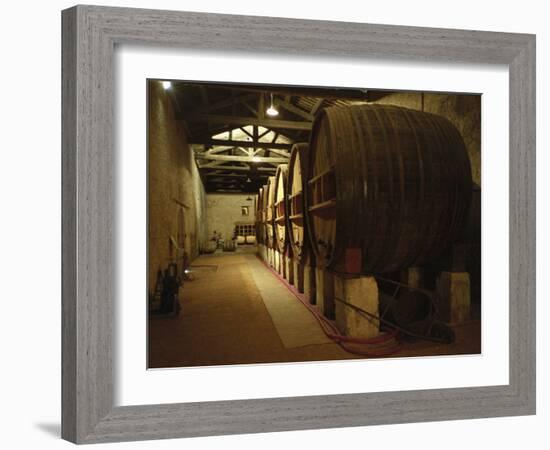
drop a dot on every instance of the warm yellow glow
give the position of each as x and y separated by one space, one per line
166 85
256 159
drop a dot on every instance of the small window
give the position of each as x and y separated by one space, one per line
244 210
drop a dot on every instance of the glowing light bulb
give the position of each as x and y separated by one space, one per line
166 85
271 111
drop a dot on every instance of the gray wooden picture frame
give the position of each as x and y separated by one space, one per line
89 37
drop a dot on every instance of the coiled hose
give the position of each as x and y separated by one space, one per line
385 344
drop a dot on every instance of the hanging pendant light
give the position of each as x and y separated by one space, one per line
271 111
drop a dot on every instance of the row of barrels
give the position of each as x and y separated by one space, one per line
377 189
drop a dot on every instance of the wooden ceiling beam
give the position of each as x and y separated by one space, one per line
245 144
280 152
246 159
316 106
243 121
250 108
235 175
336 93
230 101
207 168
293 109
204 95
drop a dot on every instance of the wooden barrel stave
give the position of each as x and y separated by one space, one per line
280 206
297 217
258 216
402 182
269 213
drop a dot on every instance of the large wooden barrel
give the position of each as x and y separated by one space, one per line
258 215
297 229
269 213
263 216
281 208
388 187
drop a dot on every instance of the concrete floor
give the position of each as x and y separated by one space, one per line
236 311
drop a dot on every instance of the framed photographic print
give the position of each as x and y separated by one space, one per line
265 229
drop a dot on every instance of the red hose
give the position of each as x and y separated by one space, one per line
334 334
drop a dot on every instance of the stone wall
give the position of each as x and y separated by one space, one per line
176 197
224 210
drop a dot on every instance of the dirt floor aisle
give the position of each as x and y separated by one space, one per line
224 319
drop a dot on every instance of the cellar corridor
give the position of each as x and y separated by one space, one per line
237 309
224 318
295 223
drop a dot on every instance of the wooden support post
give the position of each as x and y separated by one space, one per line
453 289
324 286
361 292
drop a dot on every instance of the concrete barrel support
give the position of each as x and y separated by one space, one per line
298 276
412 277
289 269
310 291
361 292
261 252
324 287
276 260
453 289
